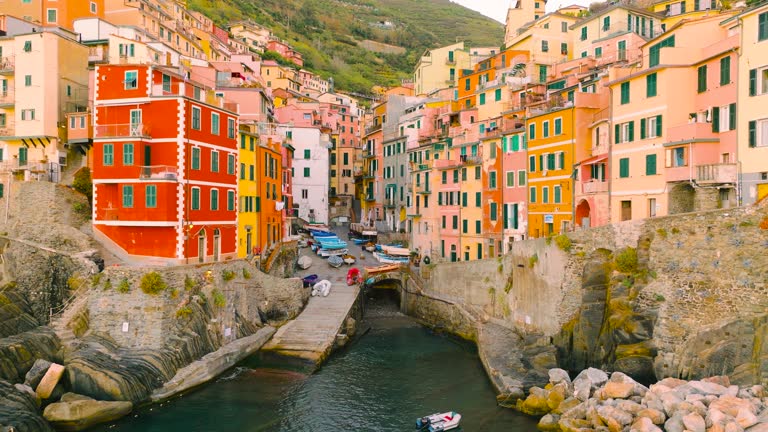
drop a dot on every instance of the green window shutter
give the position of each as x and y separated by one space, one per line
195 199
505 216
533 194
584 33
753 133
306 172
562 160
109 154
616 135
464 226
440 199
515 143
478 199
716 119
532 164
128 154
478 227
732 116
624 167
650 82
127 196
545 195
455 223
632 131
258 204
150 196
196 158
494 217
702 85
455 176
242 171
558 126
445 177
515 220
557 193
482 99
624 93
659 128
753 82
642 128
214 199
762 26
650 164
463 199
532 131
231 200
463 174
498 95
542 166
492 180
242 142
307 154
725 70
2 190
503 144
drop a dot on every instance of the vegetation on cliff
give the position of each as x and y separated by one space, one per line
329 32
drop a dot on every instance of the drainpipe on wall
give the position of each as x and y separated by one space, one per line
610 153
738 130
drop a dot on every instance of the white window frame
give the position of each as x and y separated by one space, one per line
761 130
762 81
93 8
217 130
558 160
650 127
215 168
55 15
624 129
554 195
135 81
724 119
524 174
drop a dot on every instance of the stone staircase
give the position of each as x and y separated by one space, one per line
61 319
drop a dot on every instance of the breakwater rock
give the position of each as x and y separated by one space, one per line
595 401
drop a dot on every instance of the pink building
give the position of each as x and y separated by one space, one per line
286 51
514 178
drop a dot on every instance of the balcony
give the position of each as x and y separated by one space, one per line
690 131
98 55
134 130
372 129
370 198
7 130
450 61
423 189
593 187
389 203
716 173
7 99
471 159
421 166
367 154
158 173
7 65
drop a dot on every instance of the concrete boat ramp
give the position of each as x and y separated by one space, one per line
312 335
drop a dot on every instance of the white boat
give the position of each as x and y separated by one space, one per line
322 288
304 262
370 247
439 422
395 251
325 253
349 259
335 261
389 259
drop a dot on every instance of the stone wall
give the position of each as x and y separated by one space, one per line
681 296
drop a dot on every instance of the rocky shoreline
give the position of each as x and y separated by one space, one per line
595 401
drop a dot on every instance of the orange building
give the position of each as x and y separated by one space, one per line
61 13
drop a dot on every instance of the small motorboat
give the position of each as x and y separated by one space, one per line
325 253
304 262
439 422
390 259
309 280
335 261
322 288
370 247
349 259
353 276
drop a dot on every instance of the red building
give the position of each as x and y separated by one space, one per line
165 164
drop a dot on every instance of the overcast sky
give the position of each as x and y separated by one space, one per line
497 9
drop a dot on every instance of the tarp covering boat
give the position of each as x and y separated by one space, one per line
321 288
304 262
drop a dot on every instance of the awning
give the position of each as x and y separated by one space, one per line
594 159
33 141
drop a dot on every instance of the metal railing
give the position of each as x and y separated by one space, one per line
372 129
7 98
7 65
158 172
122 130
471 159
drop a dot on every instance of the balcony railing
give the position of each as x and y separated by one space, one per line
423 189
7 98
7 130
593 186
98 55
450 61
471 159
7 65
367 154
716 173
372 129
389 203
158 173
122 130
370 198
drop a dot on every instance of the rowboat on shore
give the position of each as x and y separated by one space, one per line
349 259
381 269
325 253
395 251
390 259
335 261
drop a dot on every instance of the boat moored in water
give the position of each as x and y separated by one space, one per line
439 422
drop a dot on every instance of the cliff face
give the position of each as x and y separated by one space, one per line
681 296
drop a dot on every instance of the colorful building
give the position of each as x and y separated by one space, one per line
439 68
163 191
54 13
515 183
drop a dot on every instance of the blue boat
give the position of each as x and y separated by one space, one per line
333 244
359 241
316 233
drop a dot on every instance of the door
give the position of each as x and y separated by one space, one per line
248 242
135 128
146 170
216 244
626 210
201 247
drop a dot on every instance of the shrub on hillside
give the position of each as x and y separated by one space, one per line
152 283
82 182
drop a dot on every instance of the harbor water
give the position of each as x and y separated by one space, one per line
398 371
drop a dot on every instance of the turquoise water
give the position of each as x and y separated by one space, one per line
395 373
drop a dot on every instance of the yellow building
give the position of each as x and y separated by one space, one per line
248 191
471 200
280 77
520 13
675 11
438 68
549 40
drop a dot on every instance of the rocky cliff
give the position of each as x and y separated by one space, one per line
681 296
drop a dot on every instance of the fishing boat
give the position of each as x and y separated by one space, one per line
318 234
321 288
439 422
332 243
359 241
349 259
335 261
390 259
325 253
370 247
304 262
309 280
395 251
381 269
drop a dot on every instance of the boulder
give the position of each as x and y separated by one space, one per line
702 388
557 376
644 424
620 416
81 412
762 427
674 423
50 380
37 372
733 427
731 405
617 390
657 417
694 422
536 402
746 418
548 423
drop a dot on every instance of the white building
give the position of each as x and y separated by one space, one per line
311 175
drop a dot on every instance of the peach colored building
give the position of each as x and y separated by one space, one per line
61 13
548 40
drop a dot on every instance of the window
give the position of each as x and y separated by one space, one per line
725 71
28 114
195 158
623 167
478 172
650 164
563 48
655 50
463 199
196 118
598 52
532 131
650 127
27 46
651 207
545 129
93 7
455 222
478 199
702 79
231 128
127 196
606 23
214 161
464 226
150 196
482 100
545 195
492 179
584 33
542 73
27 80
445 177
558 126
510 179
109 155
676 157
128 154
533 194
651 85
724 118
497 95
307 154
521 178
624 93
467 84
624 132
306 172
214 199
215 127
758 81
758 133
557 191
131 81
231 164
3 120
230 200
762 26
532 163
494 211
166 83
564 27
252 171
544 46
195 198
52 15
